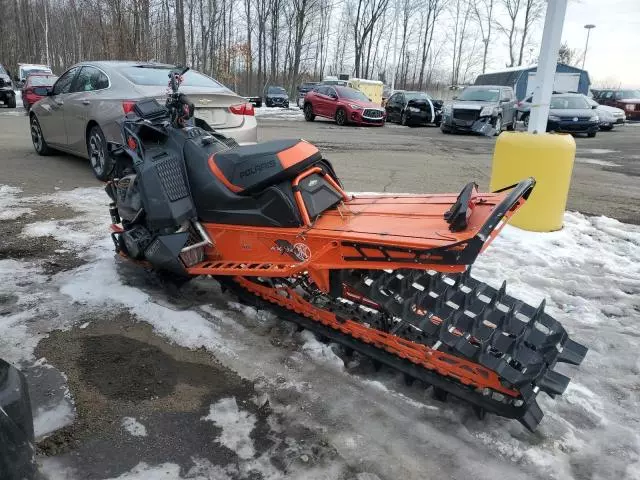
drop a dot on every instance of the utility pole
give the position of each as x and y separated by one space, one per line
589 26
395 46
548 60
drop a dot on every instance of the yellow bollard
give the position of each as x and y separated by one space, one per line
546 157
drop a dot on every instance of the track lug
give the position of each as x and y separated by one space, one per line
479 411
553 382
532 417
572 352
408 380
440 394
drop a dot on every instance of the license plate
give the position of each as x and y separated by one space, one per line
212 116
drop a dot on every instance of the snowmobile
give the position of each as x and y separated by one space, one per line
387 276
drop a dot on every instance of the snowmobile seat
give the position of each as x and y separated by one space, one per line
249 169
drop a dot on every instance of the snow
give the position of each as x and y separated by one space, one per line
589 272
236 426
292 113
595 161
134 427
46 421
8 199
597 151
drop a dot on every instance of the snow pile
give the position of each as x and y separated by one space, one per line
46 421
134 427
291 113
236 426
589 272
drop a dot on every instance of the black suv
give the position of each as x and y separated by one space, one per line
7 95
276 97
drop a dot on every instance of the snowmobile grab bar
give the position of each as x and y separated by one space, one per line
298 196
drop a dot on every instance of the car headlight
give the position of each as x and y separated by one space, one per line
554 118
487 111
414 109
629 107
356 107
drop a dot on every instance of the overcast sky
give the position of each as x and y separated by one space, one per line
612 56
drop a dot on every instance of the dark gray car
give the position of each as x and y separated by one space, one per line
481 107
80 114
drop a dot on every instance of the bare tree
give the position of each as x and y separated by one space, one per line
533 11
433 10
509 28
461 14
483 13
367 14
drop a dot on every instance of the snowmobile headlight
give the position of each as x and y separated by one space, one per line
487 111
414 109
356 107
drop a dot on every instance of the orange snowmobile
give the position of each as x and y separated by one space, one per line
386 276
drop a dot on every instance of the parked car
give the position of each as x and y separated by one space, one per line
79 116
26 69
625 99
609 116
255 101
276 97
17 445
478 107
568 112
303 89
344 104
36 87
7 95
413 108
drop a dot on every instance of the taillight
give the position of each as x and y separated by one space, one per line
128 107
243 109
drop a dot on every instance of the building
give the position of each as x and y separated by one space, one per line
523 79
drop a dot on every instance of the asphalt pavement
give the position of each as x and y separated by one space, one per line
387 159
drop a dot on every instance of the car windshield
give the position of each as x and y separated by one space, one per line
416 96
630 94
351 94
159 76
277 90
31 71
42 80
480 95
558 103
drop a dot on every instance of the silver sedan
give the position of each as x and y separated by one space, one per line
79 114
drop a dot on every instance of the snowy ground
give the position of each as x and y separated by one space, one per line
589 272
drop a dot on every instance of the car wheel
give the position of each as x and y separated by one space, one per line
498 125
525 121
437 124
341 117
101 162
444 129
512 126
12 102
39 143
308 113
591 134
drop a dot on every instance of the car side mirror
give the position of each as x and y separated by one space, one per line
50 92
455 97
334 97
594 107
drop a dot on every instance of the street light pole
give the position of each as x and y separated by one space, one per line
588 26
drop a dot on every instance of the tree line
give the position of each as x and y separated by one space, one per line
247 44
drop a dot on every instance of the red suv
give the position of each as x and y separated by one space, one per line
35 88
627 100
344 104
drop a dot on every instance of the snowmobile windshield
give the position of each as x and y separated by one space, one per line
561 103
351 94
157 76
276 91
479 95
